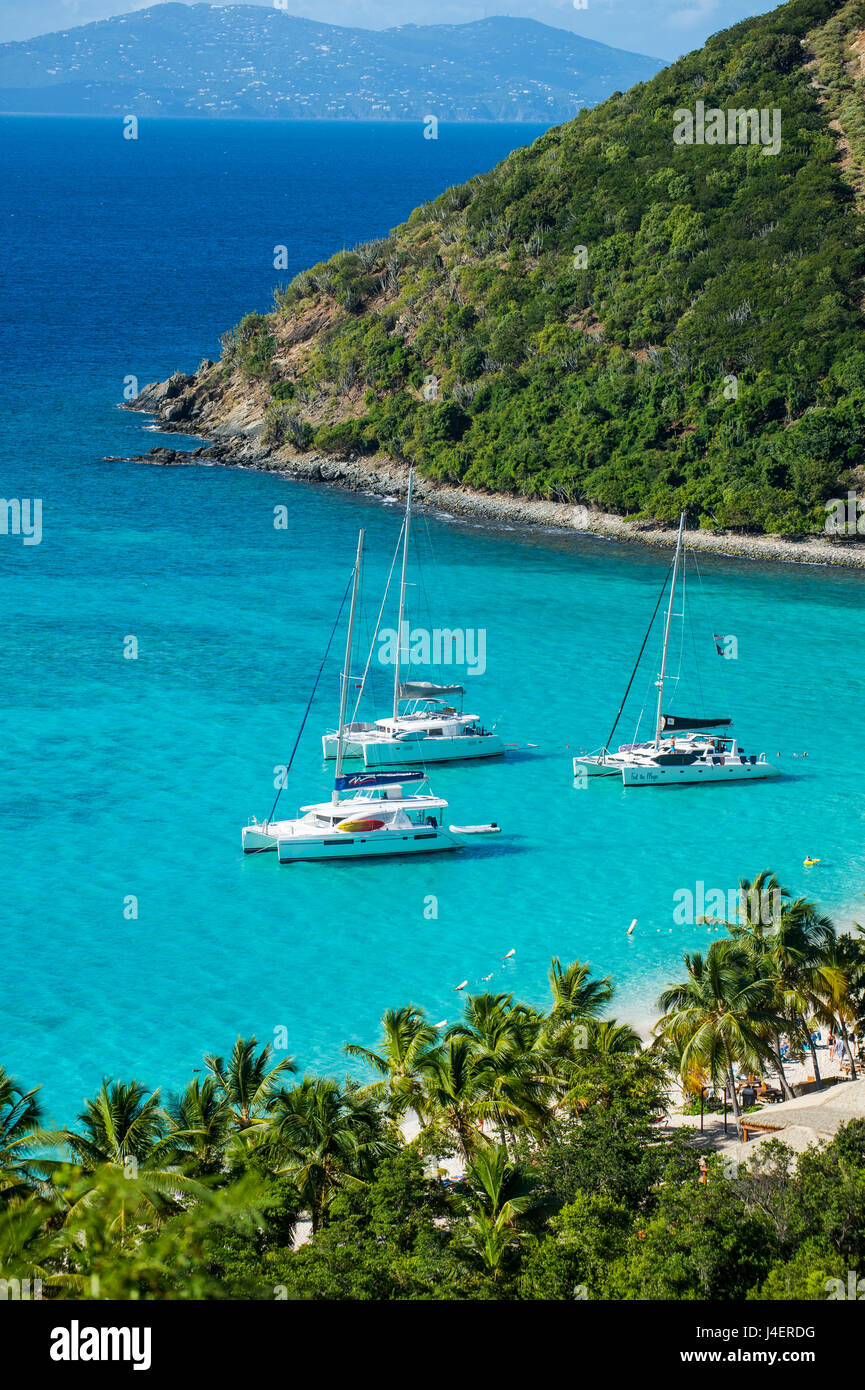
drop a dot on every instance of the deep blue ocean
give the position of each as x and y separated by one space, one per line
131 778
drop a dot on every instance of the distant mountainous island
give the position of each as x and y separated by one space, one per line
243 60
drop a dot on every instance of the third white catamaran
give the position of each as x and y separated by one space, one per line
682 751
429 729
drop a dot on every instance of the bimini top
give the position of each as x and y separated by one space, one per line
361 781
385 792
673 723
426 690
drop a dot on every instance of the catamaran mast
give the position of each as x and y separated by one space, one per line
667 628
406 529
346 670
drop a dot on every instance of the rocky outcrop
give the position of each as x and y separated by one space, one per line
211 404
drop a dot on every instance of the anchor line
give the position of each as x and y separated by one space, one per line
311 698
637 663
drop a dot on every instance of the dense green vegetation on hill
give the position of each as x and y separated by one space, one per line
706 352
564 1185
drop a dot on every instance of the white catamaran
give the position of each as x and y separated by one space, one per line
381 815
430 729
682 750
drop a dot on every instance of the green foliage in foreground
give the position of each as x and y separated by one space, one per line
613 383
566 1186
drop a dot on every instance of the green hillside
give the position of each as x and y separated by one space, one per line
710 353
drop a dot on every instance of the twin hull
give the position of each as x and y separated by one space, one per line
381 842
600 768
633 775
400 752
384 753
341 844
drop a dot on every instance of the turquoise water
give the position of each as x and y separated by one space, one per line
133 777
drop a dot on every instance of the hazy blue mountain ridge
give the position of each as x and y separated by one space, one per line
243 60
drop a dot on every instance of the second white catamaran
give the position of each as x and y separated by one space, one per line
430 728
683 751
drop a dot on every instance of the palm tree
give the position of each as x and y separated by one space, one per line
201 1113
20 1117
494 1021
753 895
840 977
575 993
851 958
458 1085
124 1126
792 948
852 953
721 1014
26 1245
247 1083
324 1137
564 1039
800 955
497 1185
505 1039
501 1196
126 1131
407 1037
694 1078
610 1037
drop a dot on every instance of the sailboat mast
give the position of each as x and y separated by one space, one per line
667 628
346 670
406 529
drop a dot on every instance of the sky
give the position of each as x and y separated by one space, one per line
662 28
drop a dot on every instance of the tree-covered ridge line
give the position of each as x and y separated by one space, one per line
607 317
568 1186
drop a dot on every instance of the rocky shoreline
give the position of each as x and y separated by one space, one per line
236 441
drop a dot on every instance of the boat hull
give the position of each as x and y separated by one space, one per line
256 839
650 775
385 753
350 749
374 844
584 767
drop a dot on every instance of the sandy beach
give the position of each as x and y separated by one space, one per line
727 1139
